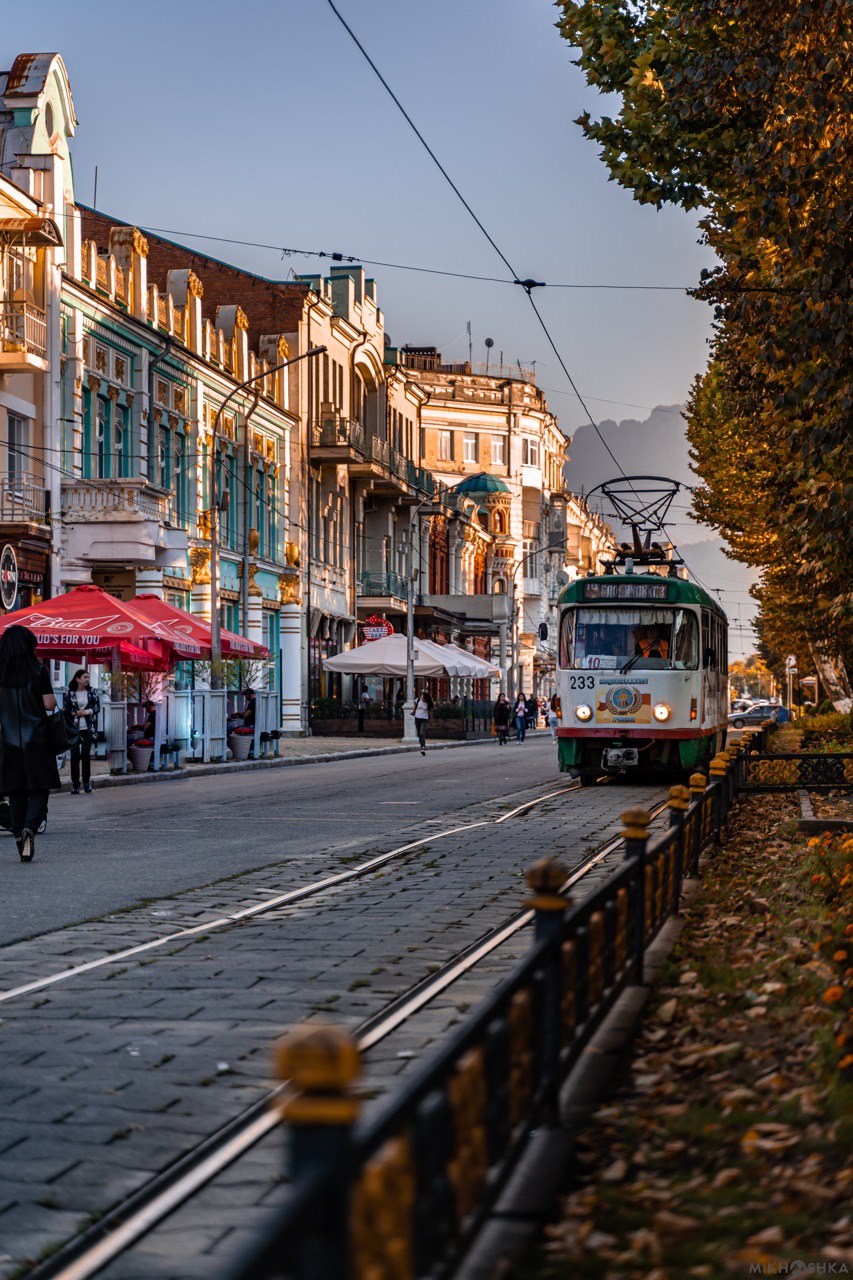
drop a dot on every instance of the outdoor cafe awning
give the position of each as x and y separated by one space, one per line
88 622
385 657
194 630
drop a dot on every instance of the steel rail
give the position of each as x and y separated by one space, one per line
311 890
169 1190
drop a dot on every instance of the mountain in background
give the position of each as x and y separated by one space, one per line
655 447
658 447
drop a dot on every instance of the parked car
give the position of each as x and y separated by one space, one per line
756 714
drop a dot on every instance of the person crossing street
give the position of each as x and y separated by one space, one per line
423 706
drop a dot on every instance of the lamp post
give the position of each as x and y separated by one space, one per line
409 734
513 670
215 625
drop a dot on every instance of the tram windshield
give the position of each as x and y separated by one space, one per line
638 639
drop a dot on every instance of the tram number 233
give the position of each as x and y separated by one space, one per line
581 682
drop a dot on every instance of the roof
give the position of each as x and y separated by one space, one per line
481 483
678 591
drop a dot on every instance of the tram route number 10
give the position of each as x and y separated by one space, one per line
581 682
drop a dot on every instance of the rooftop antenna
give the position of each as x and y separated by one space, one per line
490 342
95 196
470 343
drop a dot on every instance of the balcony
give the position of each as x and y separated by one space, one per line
340 440
120 521
23 500
381 587
23 337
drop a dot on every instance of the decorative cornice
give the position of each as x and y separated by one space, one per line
94 383
241 320
200 563
194 285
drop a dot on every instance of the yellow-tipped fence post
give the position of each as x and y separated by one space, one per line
679 803
718 770
545 879
698 785
635 834
321 1063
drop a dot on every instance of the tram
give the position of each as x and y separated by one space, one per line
642 676
642 657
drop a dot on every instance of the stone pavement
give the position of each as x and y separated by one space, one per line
293 751
110 1075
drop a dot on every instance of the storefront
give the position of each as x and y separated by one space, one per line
24 573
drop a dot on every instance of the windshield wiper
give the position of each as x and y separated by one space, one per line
629 664
670 665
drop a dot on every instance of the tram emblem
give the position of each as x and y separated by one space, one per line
623 701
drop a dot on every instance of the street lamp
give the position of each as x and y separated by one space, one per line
409 727
514 618
215 624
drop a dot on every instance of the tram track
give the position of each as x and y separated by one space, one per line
314 889
143 1211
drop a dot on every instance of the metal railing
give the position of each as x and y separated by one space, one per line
382 584
22 498
23 327
406 1194
337 432
90 498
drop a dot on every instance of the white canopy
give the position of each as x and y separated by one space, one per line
479 668
386 657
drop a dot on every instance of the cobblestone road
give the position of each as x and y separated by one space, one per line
111 1074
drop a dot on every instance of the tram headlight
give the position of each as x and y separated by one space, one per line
583 712
662 711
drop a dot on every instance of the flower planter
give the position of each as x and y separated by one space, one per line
140 758
241 745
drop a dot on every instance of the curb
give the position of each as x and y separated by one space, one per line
525 1205
105 781
810 825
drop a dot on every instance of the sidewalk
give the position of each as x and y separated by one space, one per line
296 751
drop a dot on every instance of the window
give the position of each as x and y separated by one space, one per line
16 447
101 443
650 639
499 587
180 472
120 435
469 446
498 522
530 452
445 446
530 557
498 451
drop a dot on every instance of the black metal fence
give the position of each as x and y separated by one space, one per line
403 1196
814 770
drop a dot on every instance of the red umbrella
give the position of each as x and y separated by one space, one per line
88 621
195 629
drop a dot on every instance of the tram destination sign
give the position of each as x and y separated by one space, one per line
625 591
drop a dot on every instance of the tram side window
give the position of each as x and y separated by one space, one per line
686 654
709 651
567 629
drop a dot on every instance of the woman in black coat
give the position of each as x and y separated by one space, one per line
500 719
28 769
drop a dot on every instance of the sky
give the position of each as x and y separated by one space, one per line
262 122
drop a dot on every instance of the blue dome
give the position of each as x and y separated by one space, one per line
481 483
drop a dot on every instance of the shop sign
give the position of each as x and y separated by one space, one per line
8 577
376 628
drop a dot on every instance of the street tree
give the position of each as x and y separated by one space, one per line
741 110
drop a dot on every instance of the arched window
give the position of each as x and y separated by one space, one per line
499 587
499 522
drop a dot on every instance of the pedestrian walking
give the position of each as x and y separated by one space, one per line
520 716
28 769
423 706
81 707
532 712
553 715
500 719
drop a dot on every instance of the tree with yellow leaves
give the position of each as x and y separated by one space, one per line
742 108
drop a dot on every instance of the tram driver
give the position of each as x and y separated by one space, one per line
649 643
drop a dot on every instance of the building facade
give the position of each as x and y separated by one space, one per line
138 377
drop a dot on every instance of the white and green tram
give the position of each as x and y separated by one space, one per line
642 676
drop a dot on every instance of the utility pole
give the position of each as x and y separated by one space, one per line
215 623
409 734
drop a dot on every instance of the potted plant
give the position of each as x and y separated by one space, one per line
240 742
140 753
